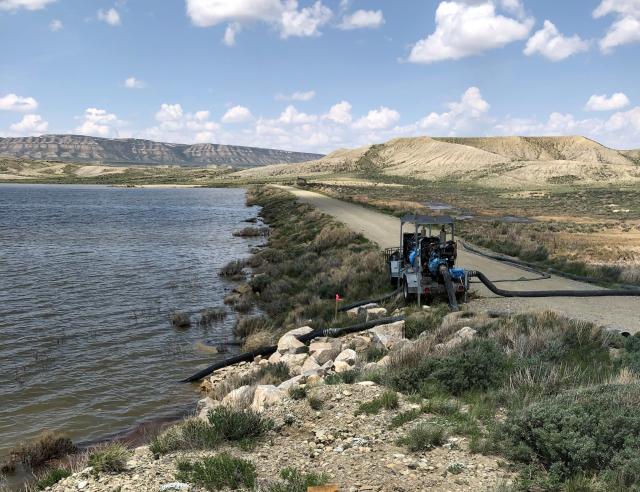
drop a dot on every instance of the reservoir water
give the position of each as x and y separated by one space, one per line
88 277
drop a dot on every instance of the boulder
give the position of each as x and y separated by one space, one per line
298 332
289 344
275 357
295 362
204 406
345 360
386 336
265 396
353 313
323 352
376 313
360 342
459 337
310 364
239 398
291 383
348 356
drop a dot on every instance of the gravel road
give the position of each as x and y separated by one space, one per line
621 313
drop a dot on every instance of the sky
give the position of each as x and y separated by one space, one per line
321 74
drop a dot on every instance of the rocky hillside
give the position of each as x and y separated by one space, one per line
94 150
493 161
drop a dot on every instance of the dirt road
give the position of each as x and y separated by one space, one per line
622 313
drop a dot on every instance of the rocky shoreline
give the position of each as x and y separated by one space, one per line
358 451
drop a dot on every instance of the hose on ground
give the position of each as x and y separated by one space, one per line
553 293
527 267
382 298
265 351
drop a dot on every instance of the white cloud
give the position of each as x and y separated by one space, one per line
31 124
297 96
549 43
461 116
284 14
620 130
292 116
24 4
340 113
100 123
378 119
133 83
596 102
237 114
464 29
305 22
626 27
174 125
110 16
56 25
362 19
230 33
13 102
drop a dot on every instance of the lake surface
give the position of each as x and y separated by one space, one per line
88 276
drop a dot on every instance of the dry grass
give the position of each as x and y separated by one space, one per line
258 339
37 453
179 319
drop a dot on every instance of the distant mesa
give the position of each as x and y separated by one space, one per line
131 151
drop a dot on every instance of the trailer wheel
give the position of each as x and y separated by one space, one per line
408 297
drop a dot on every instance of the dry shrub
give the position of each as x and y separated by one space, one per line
37 453
210 315
625 376
257 340
252 324
333 236
252 232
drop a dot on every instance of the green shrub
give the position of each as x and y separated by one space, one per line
111 458
346 377
388 401
630 358
218 472
374 354
478 365
405 417
51 478
295 481
424 437
588 431
237 425
190 434
315 402
416 323
298 392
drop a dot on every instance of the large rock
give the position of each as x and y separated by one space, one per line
265 396
291 383
386 336
310 364
205 406
289 344
376 313
295 362
239 398
323 352
298 332
275 357
459 337
345 360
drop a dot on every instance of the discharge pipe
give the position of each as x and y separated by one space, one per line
264 351
553 293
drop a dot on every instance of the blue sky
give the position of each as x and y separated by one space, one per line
319 75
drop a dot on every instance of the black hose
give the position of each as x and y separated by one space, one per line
264 351
527 267
384 297
553 293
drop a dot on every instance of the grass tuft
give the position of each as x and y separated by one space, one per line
111 458
218 472
424 437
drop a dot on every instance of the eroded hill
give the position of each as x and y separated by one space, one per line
492 161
